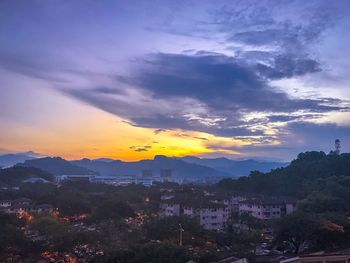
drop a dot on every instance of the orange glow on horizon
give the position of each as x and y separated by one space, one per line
86 132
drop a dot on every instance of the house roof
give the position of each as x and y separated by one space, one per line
269 200
34 180
22 200
44 206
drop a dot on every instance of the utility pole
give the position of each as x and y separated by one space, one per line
181 230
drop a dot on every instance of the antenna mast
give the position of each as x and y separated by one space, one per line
337 146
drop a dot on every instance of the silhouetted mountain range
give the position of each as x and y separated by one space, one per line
180 169
55 166
234 167
189 167
8 160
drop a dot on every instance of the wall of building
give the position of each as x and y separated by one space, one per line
213 218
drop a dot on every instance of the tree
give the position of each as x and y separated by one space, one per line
60 236
243 241
12 239
295 229
319 230
250 222
112 209
72 202
318 202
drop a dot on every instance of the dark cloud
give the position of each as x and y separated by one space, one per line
142 148
287 66
201 138
269 23
157 131
224 83
204 92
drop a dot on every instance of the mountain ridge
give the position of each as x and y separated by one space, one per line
183 167
236 167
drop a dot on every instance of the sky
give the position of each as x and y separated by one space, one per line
133 79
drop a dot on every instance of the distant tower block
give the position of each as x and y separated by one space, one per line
337 146
147 173
165 175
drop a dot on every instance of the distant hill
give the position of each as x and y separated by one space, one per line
234 167
55 166
107 160
14 176
8 160
180 168
192 168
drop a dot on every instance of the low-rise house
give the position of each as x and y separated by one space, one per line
5 203
19 208
35 180
170 208
24 205
30 209
42 209
267 207
22 201
167 196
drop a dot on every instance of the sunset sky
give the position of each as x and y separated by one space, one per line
132 79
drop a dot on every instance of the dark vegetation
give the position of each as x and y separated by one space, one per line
14 176
321 182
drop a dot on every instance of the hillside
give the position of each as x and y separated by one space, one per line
310 171
15 175
55 166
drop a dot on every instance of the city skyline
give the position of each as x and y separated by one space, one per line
133 79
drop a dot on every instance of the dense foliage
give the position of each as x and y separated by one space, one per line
310 171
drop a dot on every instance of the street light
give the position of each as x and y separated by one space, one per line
181 230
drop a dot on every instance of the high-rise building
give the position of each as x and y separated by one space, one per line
147 173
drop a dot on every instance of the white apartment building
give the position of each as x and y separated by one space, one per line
214 217
267 207
169 209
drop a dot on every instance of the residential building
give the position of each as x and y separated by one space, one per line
267 207
5 203
170 209
212 216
